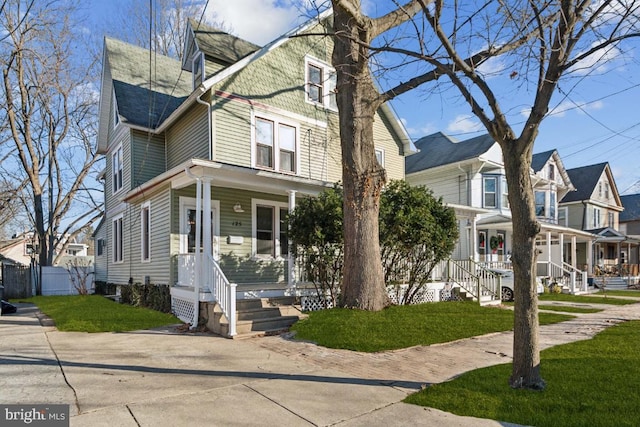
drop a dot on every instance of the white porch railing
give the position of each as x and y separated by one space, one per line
574 279
483 284
213 282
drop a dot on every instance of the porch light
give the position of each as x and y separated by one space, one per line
238 208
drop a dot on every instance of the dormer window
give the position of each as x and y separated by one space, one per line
198 69
320 84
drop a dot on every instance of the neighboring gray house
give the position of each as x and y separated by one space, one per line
629 220
235 130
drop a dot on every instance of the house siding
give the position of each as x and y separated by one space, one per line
189 137
148 156
101 261
393 149
232 121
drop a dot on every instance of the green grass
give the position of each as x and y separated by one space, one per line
569 309
585 299
95 313
406 326
621 293
589 383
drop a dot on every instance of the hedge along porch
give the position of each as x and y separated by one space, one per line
218 257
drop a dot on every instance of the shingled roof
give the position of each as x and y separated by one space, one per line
140 103
439 149
631 203
220 45
540 159
584 179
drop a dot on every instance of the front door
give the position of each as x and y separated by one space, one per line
188 226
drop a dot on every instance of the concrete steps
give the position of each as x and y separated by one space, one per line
264 316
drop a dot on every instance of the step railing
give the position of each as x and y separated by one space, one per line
575 279
484 282
223 292
578 278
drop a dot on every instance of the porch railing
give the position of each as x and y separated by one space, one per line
576 280
475 279
212 280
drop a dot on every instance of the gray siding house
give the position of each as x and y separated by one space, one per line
205 160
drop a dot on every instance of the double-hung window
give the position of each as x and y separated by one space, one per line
276 145
270 230
118 239
145 232
540 204
320 83
490 185
596 218
198 69
505 193
116 162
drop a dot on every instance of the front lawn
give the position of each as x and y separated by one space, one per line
589 383
95 313
406 326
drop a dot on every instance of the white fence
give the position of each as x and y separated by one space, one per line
57 281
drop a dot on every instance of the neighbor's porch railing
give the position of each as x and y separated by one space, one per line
568 275
475 279
212 280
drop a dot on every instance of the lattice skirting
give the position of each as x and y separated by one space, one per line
423 295
183 308
313 302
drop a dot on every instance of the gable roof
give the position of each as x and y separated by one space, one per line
631 203
584 179
540 159
439 149
126 70
220 45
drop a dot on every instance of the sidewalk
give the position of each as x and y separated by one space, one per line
163 378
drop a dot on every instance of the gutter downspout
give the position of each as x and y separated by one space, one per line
197 254
209 122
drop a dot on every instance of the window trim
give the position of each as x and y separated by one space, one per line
328 83
495 192
565 221
596 218
117 232
114 110
382 157
277 122
116 179
197 71
145 232
277 255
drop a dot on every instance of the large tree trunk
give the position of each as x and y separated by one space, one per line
526 350
363 178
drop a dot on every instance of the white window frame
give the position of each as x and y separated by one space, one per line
611 219
596 218
197 65
275 155
276 225
545 208
381 159
552 172
117 169
504 191
117 233
190 203
114 107
145 232
496 200
563 219
328 99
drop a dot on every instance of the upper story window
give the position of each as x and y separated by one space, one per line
540 203
117 166
606 190
494 192
596 218
599 189
546 205
145 232
320 84
505 193
552 173
118 240
562 217
611 220
276 145
490 190
198 69
116 117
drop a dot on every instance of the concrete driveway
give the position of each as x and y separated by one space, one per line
168 378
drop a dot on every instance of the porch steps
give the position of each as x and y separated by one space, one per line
613 283
265 316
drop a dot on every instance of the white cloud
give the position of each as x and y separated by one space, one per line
598 62
259 21
420 131
492 67
464 124
560 110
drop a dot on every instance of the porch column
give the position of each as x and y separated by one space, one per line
589 245
548 236
473 250
561 243
574 261
291 262
198 258
206 234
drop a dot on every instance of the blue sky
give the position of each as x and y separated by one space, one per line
595 119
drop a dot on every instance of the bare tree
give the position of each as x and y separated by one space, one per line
163 28
544 41
49 108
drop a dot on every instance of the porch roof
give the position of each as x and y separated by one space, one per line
503 222
229 176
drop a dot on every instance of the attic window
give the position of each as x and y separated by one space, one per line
198 69
320 84
114 105
552 173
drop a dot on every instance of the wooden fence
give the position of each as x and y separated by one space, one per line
16 280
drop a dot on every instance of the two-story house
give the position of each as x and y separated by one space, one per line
629 221
206 157
469 175
596 207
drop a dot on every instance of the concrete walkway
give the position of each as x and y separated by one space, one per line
166 378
